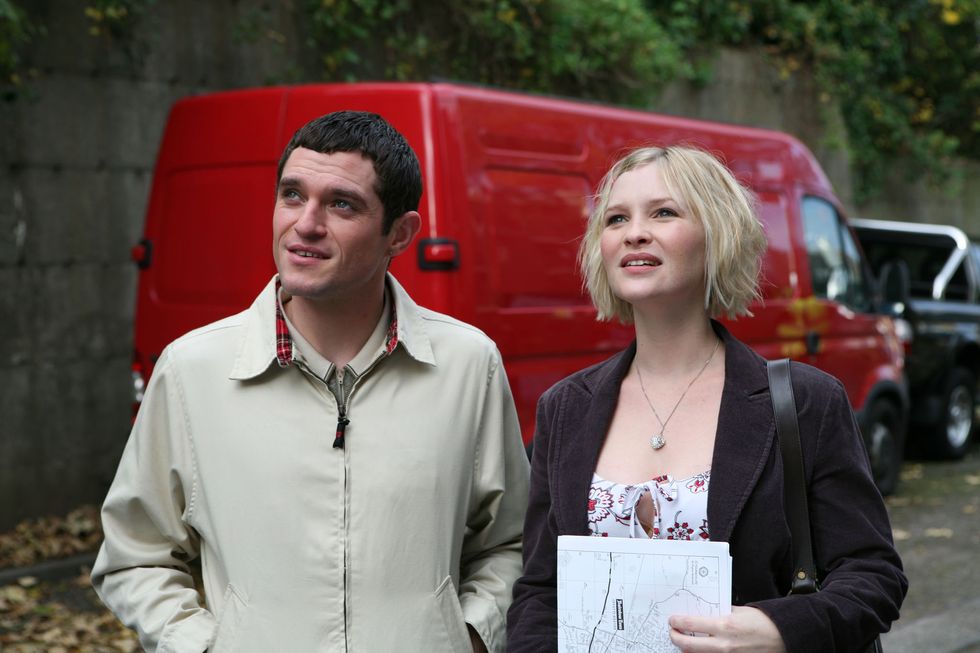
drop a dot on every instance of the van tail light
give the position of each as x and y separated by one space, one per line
141 253
903 330
139 383
438 254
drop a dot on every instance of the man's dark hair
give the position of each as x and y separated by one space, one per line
399 184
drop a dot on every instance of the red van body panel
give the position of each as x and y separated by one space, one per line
507 177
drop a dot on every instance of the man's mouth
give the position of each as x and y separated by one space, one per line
306 253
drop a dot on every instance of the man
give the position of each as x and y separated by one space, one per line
346 464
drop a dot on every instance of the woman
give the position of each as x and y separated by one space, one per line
674 437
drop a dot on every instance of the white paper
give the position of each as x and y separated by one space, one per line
615 594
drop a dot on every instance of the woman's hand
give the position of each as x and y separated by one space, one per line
745 629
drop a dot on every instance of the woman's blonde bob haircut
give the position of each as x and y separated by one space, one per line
734 239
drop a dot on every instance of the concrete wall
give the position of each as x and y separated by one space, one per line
77 150
77 154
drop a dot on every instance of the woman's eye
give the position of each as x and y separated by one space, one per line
666 213
615 219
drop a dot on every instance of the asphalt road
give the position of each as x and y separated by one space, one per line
936 522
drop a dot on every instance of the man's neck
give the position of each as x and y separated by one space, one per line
336 330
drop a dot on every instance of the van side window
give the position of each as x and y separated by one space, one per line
837 270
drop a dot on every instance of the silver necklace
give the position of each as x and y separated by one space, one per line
657 441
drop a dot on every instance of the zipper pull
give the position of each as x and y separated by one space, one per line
342 422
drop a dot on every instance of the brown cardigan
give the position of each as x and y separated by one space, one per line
861 573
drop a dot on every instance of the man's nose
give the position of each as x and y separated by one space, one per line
312 223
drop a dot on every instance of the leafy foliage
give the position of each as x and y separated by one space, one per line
16 31
600 49
905 73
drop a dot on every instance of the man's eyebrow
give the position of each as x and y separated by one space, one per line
289 182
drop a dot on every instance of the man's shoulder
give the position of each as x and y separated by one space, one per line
445 329
209 339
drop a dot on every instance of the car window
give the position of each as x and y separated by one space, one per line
837 269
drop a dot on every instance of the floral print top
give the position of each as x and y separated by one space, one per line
680 508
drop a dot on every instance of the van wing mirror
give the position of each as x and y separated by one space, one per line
894 282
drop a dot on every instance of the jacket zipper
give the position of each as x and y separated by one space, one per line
342 421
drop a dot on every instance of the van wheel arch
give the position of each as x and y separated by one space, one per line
884 437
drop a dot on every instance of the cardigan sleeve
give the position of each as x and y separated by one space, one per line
861 577
532 621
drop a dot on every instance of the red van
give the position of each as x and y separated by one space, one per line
508 184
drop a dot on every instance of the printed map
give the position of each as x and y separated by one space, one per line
615 594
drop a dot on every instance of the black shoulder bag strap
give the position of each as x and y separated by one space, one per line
794 482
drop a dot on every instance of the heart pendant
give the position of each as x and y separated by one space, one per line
657 441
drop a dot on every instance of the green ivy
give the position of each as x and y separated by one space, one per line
603 49
16 31
906 75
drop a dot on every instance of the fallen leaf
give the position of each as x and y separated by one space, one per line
27 581
939 532
900 534
912 472
972 479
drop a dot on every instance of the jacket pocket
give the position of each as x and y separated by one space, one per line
447 601
226 630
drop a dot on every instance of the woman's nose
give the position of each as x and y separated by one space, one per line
637 233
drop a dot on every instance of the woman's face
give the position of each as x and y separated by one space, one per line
652 247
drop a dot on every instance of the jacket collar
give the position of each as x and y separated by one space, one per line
742 443
257 349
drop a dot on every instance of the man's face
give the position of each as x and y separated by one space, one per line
327 239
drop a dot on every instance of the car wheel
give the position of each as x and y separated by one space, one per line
884 443
951 437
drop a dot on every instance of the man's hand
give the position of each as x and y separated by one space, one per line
476 640
745 629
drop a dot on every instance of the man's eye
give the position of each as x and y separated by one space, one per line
290 194
342 204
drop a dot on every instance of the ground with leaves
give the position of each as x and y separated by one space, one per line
936 522
935 516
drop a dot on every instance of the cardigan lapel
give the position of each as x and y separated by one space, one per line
744 438
746 430
583 425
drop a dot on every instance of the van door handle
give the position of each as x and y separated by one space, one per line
812 342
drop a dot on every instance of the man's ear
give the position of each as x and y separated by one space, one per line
403 231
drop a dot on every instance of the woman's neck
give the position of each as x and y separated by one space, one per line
670 344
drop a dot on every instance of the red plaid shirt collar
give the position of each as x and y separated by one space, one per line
284 342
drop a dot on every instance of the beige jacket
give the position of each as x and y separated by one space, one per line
394 542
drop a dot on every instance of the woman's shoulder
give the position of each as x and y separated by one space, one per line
588 380
814 382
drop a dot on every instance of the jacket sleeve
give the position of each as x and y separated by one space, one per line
141 572
532 622
491 555
862 582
